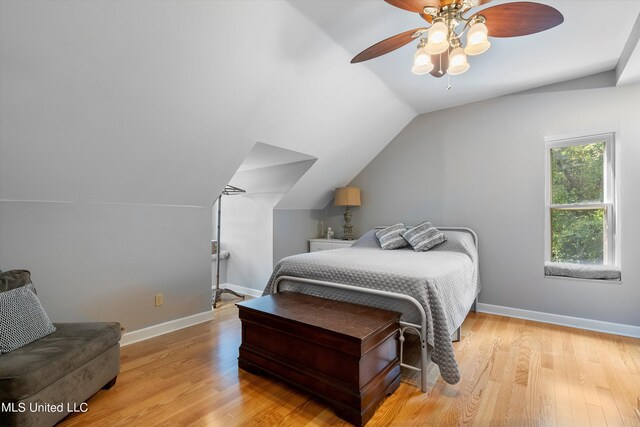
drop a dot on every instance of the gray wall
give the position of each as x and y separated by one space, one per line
482 165
106 262
291 230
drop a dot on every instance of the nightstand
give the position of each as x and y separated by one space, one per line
326 244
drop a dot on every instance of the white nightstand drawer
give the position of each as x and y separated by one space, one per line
319 246
326 244
342 244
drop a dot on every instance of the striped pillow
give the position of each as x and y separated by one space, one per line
391 237
424 237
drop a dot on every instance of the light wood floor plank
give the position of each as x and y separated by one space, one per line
514 373
610 408
596 416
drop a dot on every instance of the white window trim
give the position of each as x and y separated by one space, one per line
612 252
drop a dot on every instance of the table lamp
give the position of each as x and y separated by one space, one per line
347 196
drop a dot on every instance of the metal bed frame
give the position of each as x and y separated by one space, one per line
419 330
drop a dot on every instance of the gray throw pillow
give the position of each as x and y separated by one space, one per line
424 237
391 237
23 319
368 240
14 279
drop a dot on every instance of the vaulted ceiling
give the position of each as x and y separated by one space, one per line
158 103
591 40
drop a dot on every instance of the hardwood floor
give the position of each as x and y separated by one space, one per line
514 372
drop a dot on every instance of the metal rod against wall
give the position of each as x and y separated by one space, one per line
229 190
218 247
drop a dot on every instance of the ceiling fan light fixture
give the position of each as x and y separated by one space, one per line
421 60
437 41
440 49
477 39
430 10
458 63
422 69
421 57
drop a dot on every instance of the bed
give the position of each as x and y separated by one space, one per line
433 290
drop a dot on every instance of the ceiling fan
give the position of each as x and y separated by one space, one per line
441 51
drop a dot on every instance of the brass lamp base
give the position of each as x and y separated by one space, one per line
347 233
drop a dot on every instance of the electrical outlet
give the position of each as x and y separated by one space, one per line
159 300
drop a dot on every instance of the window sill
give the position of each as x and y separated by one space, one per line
597 273
577 279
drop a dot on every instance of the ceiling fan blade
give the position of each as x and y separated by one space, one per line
440 64
520 19
388 45
414 5
427 18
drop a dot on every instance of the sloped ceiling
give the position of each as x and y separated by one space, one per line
271 170
158 103
265 155
628 69
590 41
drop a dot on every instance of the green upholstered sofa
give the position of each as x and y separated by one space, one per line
47 379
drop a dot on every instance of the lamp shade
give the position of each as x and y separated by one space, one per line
347 196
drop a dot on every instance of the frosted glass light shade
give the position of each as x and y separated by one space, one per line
421 57
437 39
477 41
421 62
457 62
422 69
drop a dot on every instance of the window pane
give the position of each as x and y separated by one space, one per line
577 235
577 174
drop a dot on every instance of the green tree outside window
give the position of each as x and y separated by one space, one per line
577 179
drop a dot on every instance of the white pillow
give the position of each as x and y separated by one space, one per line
22 319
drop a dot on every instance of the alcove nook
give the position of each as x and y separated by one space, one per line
246 228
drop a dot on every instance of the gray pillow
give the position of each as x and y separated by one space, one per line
424 237
368 240
23 319
14 279
391 237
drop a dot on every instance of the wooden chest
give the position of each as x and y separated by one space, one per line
346 354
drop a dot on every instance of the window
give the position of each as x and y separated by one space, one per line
581 210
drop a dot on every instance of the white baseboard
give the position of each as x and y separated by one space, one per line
558 319
242 290
165 328
555 319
